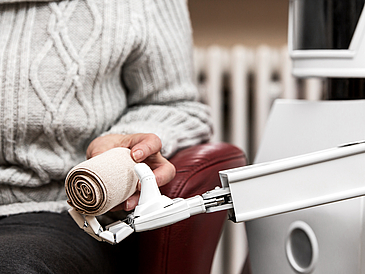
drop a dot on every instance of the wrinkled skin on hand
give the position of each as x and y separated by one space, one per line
144 148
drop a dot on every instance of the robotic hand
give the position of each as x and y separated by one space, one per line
248 193
153 210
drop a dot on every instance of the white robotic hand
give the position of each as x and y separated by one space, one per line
153 210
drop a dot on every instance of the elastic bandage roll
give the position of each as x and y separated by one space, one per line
97 185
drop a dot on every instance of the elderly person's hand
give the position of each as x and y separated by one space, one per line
144 148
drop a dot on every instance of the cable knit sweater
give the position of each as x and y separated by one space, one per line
74 70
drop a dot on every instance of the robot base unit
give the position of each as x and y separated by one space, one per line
327 238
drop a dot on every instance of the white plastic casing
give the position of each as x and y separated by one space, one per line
180 209
155 210
150 199
298 182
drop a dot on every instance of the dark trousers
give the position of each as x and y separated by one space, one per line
53 243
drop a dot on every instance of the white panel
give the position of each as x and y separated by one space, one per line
338 229
262 97
288 81
313 89
241 63
215 70
310 126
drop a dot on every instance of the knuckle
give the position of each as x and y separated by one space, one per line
154 138
152 142
173 169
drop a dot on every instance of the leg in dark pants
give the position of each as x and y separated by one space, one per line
53 243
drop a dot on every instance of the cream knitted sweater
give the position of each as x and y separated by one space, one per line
74 70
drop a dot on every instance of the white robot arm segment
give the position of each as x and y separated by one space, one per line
298 182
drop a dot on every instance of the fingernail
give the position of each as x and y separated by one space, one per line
129 205
137 155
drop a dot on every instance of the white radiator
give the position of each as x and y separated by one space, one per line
240 84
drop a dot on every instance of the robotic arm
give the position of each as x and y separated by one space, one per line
248 193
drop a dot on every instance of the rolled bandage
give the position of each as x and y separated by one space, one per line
102 182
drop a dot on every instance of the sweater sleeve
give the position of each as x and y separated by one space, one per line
158 76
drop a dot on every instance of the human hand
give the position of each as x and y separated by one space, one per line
144 148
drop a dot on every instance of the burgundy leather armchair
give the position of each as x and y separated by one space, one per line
188 247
